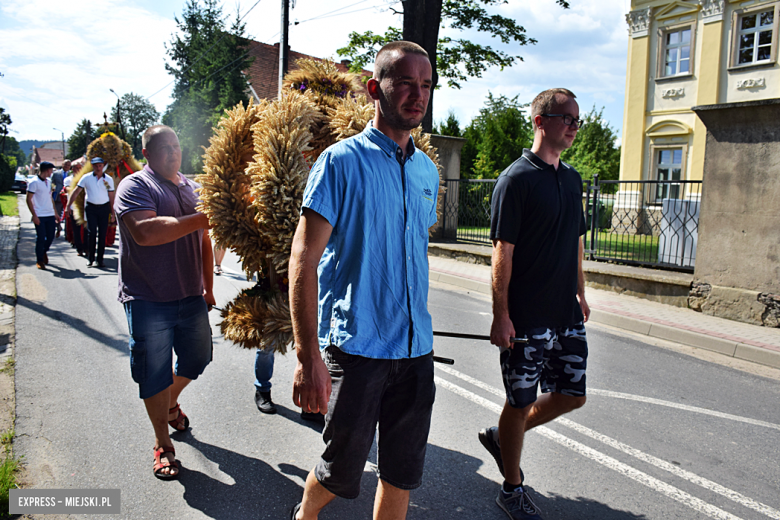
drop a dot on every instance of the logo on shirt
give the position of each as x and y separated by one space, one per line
428 192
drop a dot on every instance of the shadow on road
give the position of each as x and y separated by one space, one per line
260 491
557 507
117 343
294 415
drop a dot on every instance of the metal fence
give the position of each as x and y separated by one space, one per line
649 223
467 209
652 223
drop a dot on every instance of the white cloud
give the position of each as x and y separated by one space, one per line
60 58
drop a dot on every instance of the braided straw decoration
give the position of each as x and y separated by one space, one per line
243 321
350 116
328 86
225 187
280 171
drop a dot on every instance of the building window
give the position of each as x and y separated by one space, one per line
668 167
678 52
675 51
755 37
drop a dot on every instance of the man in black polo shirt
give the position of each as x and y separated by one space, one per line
538 291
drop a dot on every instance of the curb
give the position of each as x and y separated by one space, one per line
726 347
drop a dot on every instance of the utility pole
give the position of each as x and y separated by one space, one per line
283 54
63 143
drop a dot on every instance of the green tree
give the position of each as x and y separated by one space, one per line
495 138
7 172
455 59
138 114
594 150
450 126
208 61
80 139
12 149
5 122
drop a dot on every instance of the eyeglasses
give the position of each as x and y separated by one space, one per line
567 119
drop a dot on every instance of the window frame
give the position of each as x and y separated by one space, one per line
654 149
736 19
661 58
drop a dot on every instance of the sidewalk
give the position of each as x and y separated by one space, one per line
684 326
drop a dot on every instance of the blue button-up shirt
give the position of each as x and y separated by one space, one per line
373 275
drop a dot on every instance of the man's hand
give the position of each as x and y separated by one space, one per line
210 300
36 220
584 306
501 330
311 385
56 218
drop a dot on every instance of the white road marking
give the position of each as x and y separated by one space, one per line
605 460
670 404
619 395
659 463
675 470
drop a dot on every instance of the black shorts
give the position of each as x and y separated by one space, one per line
556 358
398 395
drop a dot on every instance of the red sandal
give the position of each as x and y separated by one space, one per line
160 465
181 422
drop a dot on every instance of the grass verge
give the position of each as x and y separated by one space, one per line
8 469
10 364
8 204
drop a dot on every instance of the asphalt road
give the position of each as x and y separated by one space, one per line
664 435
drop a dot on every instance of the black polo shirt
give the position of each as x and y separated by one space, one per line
539 210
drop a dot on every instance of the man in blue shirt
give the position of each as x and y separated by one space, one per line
359 291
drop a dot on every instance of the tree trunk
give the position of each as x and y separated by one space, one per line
421 26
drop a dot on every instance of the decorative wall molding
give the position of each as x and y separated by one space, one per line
744 84
712 10
639 22
671 93
668 128
677 9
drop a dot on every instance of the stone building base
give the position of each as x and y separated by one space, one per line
736 304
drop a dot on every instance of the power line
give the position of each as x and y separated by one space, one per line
331 15
334 11
204 53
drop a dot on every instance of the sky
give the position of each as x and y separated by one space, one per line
60 60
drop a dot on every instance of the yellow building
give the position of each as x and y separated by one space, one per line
683 54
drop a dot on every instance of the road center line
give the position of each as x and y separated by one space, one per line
605 460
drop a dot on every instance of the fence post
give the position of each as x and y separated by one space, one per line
594 217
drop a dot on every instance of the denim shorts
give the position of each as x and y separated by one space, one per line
157 330
556 358
396 394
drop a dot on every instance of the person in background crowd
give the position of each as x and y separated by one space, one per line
57 180
43 215
76 229
97 208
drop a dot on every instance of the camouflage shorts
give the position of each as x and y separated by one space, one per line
555 357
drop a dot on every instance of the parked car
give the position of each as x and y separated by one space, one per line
20 183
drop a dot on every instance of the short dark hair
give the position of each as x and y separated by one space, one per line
44 166
546 102
384 63
153 131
